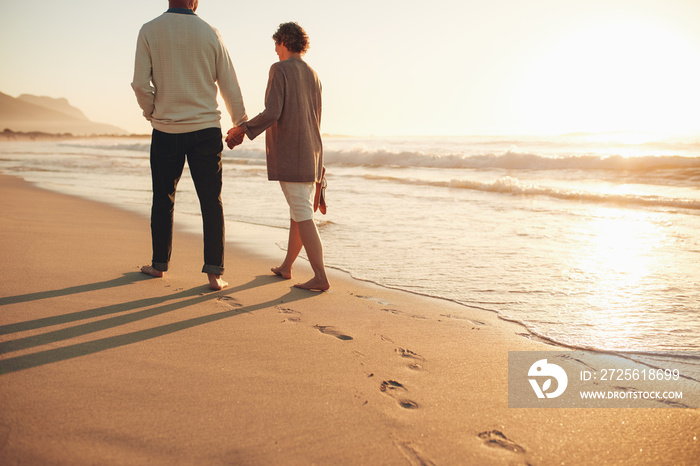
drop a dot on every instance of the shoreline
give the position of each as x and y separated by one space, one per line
101 364
9 135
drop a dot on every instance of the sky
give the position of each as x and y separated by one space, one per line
389 67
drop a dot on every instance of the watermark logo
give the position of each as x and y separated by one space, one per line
591 379
542 369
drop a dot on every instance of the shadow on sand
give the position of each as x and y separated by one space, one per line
162 305
125 279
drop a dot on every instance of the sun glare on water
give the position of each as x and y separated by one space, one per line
620 258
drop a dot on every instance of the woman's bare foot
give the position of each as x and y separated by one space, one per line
216 283
314 284
282 272
148 270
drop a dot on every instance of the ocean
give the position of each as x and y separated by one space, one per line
586 242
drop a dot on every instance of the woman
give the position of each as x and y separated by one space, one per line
291 121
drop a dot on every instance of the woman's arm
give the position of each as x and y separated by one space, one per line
274 104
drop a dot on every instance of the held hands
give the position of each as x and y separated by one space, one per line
235 137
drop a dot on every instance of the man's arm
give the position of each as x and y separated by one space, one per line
143 73
228 86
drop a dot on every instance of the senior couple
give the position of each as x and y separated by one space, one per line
180 61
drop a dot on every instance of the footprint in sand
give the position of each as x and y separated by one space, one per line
383 303
396 390
476 323
332 331
417 359
391 385
396 312
413 454
292 315
496 439
673 404
229 301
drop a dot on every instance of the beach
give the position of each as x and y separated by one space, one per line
104 365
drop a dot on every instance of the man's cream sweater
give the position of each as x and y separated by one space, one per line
180 59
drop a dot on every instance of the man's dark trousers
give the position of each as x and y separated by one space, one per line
202 149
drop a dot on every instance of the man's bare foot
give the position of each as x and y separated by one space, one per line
314 285
148 270
216 283
284 273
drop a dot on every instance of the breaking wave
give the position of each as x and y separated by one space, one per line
512 160
510 185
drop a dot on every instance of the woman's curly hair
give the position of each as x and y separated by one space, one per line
292 36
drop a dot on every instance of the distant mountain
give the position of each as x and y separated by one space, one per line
28 113
59 105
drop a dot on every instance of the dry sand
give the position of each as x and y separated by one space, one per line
103 365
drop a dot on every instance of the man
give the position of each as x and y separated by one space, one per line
180 59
